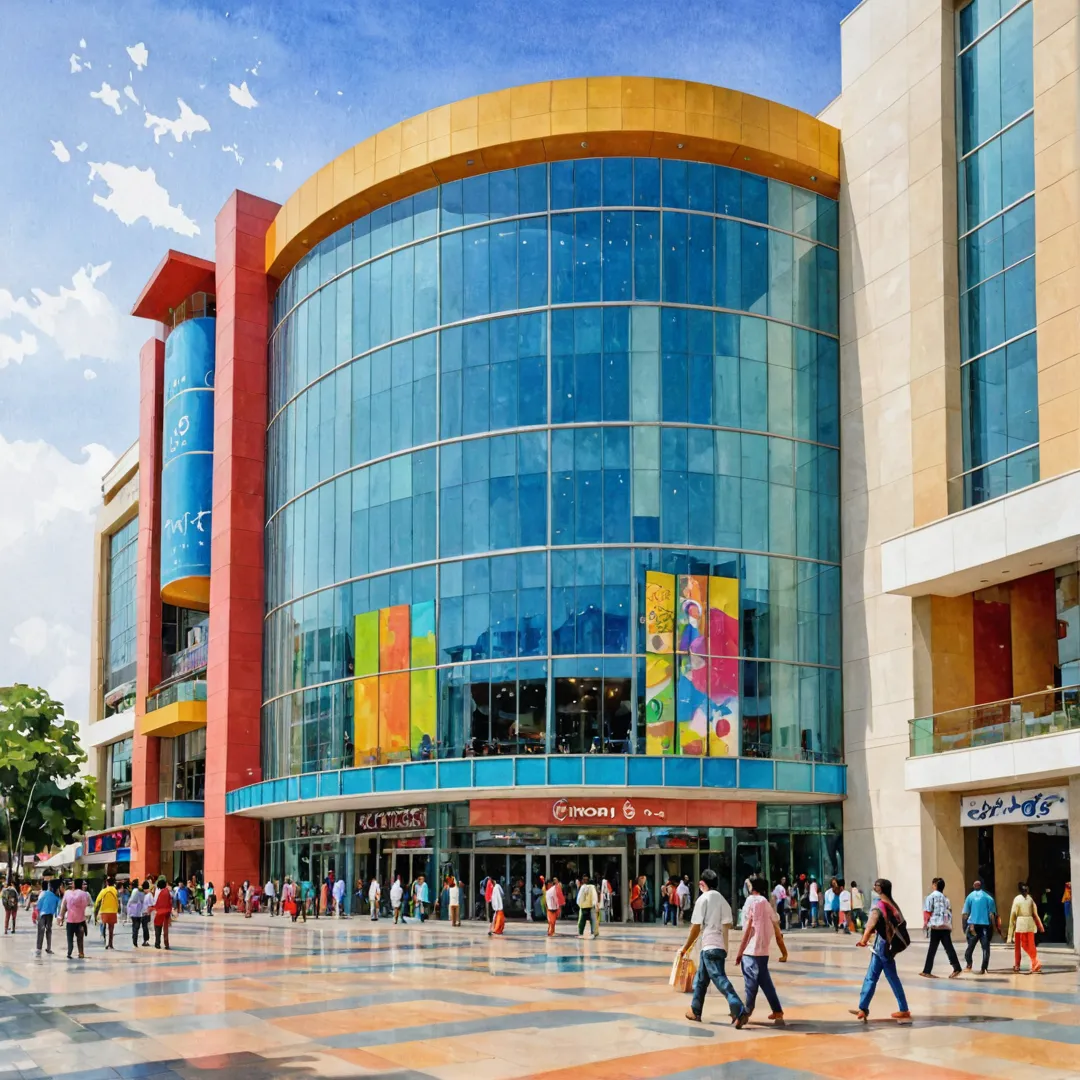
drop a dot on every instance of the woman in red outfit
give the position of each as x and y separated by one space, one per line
162 913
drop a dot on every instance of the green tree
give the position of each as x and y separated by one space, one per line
44 802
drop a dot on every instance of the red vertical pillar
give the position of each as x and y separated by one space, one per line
145 751
234 668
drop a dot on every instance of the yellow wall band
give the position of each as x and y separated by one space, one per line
611 116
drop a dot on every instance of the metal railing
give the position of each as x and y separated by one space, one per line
192 690
1055 709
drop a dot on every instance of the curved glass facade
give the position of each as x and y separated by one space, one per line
552 462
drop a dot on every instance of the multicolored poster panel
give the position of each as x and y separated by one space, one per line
367 644
394 716
659 705
366 720
691 617
423 634
723 635
659 612
422 699
394 638
723 667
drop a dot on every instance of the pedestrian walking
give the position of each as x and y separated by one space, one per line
73 916
682 896
832 906
886 926
979 917
396 893
9 900
937 917
607 898
1024 921
845 909
553 904
106 909
136 905
711 920
374 897
339 890
420 897
761 925
814 891
586 903
780 900
453 900
270 898
162 913
858 910
48 904
498 919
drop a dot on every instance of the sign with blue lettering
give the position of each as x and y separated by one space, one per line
1015 807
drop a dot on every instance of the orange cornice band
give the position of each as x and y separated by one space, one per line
612 116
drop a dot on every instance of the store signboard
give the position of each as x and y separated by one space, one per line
1015 807
408 817
637 813
98 843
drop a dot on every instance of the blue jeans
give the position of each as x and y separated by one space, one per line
671 912
881 962
978 934
813 913
755 971
712 970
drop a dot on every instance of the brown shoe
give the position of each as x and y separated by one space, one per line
860 1014
741 1020
776 1017
904 1014
957 973
927 975
691 1015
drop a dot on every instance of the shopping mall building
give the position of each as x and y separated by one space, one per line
625 475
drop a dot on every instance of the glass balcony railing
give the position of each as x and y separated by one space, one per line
192 690
185 662
996 722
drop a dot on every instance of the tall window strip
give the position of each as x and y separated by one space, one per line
120 646
995 125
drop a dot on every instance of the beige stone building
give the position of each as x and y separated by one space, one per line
960 431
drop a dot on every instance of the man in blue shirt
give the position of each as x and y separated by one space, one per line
47 906
980 917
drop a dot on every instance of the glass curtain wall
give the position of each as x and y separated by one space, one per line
120 636
502 411
995 124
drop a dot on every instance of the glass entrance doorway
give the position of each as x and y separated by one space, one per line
657 867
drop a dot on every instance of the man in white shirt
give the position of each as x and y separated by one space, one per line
396 893
937 917
339 896
551 903
682 896
815 901
587 902
711 921
374 896
269 898
498 919
845 909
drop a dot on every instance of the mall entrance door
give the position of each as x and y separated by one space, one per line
568 864
514 871
410 863
658 867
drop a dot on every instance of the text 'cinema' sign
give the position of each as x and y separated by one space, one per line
409 817
598 813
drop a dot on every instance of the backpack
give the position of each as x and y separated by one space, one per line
897 938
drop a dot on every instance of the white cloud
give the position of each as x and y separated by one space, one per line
60 151
139 55
242 96
277 163
81 320
187 123
81 147
46 549
134 193
129 93
235 153
73 60
254 70
108 96
82 43
12 351
89 374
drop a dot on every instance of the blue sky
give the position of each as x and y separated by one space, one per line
320 77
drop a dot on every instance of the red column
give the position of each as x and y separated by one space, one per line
145 752
234 668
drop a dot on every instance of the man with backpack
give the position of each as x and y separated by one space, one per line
886 924
9 898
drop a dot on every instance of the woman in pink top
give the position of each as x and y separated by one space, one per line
761 924
73 915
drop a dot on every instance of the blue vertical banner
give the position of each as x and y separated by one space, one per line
187 464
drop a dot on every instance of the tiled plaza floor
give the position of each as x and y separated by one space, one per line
261 998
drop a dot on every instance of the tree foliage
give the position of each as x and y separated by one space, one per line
44 802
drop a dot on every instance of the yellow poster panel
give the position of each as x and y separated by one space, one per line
394 717
422 698
394 638
659 705
367 644
366 721
659 612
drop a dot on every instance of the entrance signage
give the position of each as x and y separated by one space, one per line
1015 807
616 811
409 817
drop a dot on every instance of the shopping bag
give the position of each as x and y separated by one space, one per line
33 914
682 975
